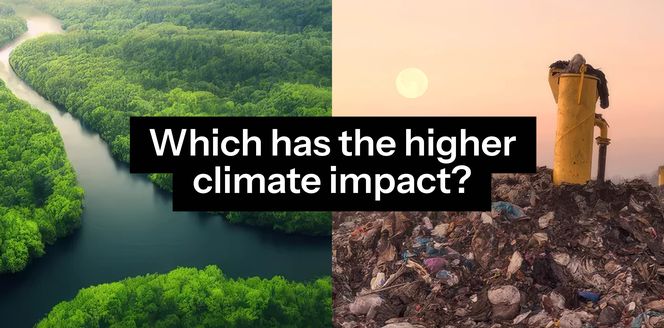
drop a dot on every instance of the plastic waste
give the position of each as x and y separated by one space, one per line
639 320
431 250
600 238
402 325
448 277
545 220
540 238
657 305
505 302
561 258
553 303
589 295
510 210
570 319
486 218
515 264
378 281
540 319
427 223
441 230
421 242
609 316
434 264
521 317
363 304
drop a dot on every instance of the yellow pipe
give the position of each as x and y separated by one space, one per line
576 97
603 126
661 176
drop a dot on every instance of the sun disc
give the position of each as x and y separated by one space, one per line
412 83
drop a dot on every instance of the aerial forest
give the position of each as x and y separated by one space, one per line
40 200
11 26
122 58
188 297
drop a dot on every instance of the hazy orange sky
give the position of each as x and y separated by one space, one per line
492 58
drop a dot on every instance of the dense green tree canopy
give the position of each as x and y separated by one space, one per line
197 298
39 197
124 58
311 223
11 26
283 16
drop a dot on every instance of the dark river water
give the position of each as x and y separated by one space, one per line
128 227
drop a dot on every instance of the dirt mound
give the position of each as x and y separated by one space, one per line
545 256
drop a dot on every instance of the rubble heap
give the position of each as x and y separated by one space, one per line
570 256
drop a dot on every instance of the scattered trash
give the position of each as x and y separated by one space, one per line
505 302
571 319
434 264
402 325
594 257
609 316
515 264
590 296
540 319
554 303
441 230
421 242
561 258
647 319
419 270
378 281
519 318
540 238
427 223
545 219
486 218
450 278
364 304
657 305
510 210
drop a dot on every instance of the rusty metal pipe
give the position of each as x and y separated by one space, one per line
601 164
602 141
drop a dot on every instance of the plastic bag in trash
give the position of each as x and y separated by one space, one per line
510 210
590 296
363 304
638 321
448 277
434 264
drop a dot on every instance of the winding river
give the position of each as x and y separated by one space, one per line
128 227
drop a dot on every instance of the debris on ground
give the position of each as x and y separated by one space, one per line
544 256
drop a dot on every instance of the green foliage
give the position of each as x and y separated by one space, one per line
167 70
310 223
131 58
283 16
187 297
11 26
39 197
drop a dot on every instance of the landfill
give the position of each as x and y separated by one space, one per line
570 256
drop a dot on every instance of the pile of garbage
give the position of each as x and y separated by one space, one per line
568 256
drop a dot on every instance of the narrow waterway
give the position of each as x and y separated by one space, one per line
128 227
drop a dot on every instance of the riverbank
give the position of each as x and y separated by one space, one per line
129 228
